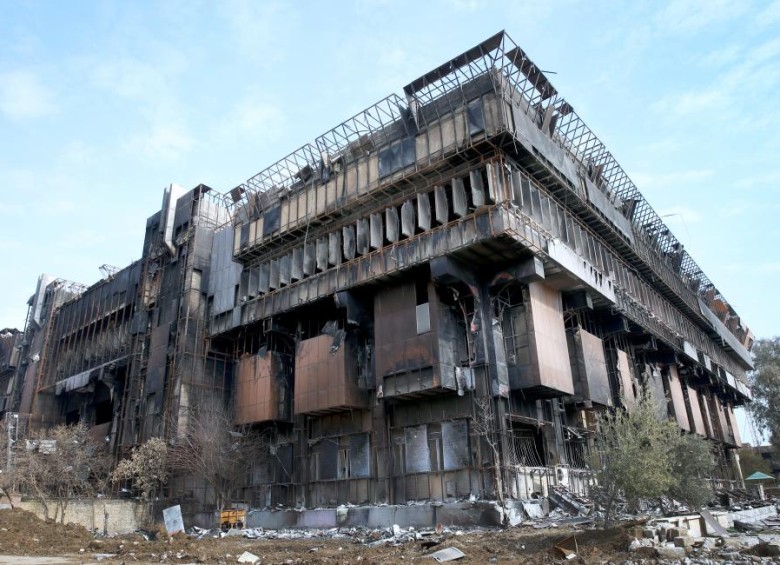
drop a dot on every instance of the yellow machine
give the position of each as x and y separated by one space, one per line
232 518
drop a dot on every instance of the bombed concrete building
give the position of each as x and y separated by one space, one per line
461 267
10 353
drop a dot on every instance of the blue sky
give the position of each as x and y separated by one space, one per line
104 103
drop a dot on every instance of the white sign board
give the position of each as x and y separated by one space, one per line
173 520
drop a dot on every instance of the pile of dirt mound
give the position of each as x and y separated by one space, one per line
23 533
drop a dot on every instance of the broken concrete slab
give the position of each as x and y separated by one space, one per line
448 554
248 557
666 552
533 509
713 528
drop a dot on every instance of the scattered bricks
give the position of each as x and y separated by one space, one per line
672 533
683 541
675 532
648 533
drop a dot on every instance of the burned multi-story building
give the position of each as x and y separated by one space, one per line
451 281
10 354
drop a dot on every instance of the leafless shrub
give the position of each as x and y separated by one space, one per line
212 449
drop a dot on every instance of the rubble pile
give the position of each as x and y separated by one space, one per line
558 529
707 542
371 537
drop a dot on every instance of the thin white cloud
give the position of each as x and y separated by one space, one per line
690 16
82 238
673 179
255 117
769 16
680 215
753 181
78 154
162 143
9 210
769 267
257 27
24 95
150 84
466 5
54 208
696 102
10 244
755 73
721 57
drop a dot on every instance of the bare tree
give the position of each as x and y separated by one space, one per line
147 468
61 464
212 449
484 428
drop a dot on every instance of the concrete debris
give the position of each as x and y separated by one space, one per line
534 509
713 527
448 554
743 526
248 557
704 539
567 500
394 535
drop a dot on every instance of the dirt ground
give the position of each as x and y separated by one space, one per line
23 534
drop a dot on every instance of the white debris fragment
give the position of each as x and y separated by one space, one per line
248 557
448 554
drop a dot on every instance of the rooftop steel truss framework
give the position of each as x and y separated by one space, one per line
499 54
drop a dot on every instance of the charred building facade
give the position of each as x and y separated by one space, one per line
462 266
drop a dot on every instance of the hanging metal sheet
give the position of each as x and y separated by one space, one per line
418 455
377 237
459 200
440 197
678 399
309 258
407 218
391 221
627 391
273 279
334 248
477 188
359 456
695 410
362 236
285 269
348 239
296 272
322 254
264 281
424 212
455 442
